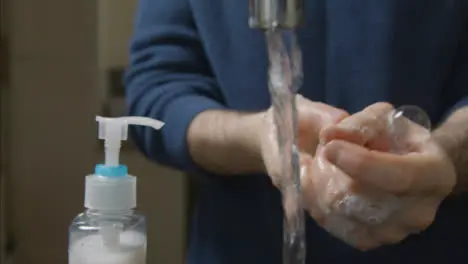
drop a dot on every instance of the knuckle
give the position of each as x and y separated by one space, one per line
390 236
423 221
334 115
379 107
359 238
384 105
367 245
401 189
365 124
361 162
340 114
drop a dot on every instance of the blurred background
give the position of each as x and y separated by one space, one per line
61 64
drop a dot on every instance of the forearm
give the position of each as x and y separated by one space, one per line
453 137
226 142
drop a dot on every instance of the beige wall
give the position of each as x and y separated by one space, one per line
115 18
54 95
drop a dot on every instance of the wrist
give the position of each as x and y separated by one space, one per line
250 131
446 143
226 142
449 137
452 135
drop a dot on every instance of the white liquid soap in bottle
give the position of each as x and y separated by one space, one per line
110 231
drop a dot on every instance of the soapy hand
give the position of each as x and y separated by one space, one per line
312 117
368 197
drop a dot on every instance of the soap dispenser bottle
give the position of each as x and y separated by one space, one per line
110 231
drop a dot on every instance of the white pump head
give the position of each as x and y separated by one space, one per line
111 188
115 130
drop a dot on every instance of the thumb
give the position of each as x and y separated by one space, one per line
396 174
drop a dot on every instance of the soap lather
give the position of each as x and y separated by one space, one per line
110 231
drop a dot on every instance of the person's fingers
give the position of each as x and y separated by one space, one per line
352 233
378 108
364 128
312 117
368 210
415 220
309 186
397 174
319 187
388 235
319 114
270 151
331 183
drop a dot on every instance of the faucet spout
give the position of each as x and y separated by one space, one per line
272 14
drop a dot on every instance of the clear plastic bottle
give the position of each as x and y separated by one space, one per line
98 237
110 231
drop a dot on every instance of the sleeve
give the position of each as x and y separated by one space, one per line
168 79
456 91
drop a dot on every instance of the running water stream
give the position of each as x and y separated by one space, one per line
285 78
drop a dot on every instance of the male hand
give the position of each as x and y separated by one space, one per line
366 196
312 117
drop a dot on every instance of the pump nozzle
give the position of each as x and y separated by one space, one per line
115 130
111 188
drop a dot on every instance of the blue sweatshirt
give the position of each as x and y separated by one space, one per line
188 56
